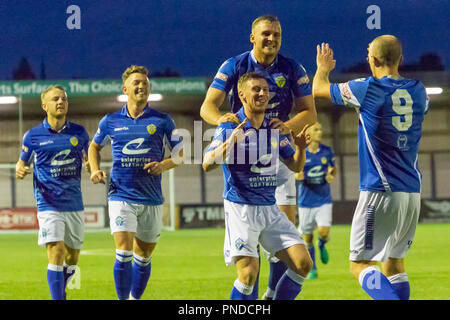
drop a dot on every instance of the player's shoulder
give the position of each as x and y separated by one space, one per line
160 114
35 130
326 148
290 63
76 127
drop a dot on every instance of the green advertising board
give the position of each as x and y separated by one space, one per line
76 88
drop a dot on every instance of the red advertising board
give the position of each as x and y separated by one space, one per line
18 219
26 218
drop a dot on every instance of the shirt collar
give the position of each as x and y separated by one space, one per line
125 113
252 55
47 125
241 116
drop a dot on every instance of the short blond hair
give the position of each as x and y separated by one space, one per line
134 69
44 93
246 78
268 18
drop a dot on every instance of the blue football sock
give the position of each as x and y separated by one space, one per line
377 285
241 291
277 269
123 273
400 284
141 273
322 242
55 279
312 253
289 286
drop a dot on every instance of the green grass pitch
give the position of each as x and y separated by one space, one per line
189 265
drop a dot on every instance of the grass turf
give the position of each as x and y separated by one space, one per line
189 265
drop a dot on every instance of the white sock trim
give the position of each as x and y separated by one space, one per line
364 272
243 288
270 293
295 276
141 260
124 255
54 267
398 278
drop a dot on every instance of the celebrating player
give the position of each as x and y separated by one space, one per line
252 151
138 134
288 86
314 195
59 149
391 110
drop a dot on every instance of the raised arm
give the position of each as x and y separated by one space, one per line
325 64
307 114
209 110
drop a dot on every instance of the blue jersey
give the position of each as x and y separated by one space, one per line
136 142
250 171
58 158
286 78
391 111
314 191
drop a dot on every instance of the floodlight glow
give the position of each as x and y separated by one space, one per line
8 100
435 90
151 97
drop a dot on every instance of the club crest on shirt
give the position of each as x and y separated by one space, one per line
324 160
74 141
25 148
151 128
280 80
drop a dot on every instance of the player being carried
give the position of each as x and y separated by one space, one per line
138 134
314 195
289 90
251 150
59 149
391 110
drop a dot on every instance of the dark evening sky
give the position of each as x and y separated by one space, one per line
195 37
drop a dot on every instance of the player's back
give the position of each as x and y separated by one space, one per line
391 115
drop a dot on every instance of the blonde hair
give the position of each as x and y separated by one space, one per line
44 93
247 77
134 69
268 18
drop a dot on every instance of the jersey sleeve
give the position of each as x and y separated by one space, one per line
286 150
351 93
27 148
102 136
301 87
172 138
223 78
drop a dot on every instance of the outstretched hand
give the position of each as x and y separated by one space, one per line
324 58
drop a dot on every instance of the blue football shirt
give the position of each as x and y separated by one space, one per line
391 111
286 78
58 158
250 171
314 191
136 142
